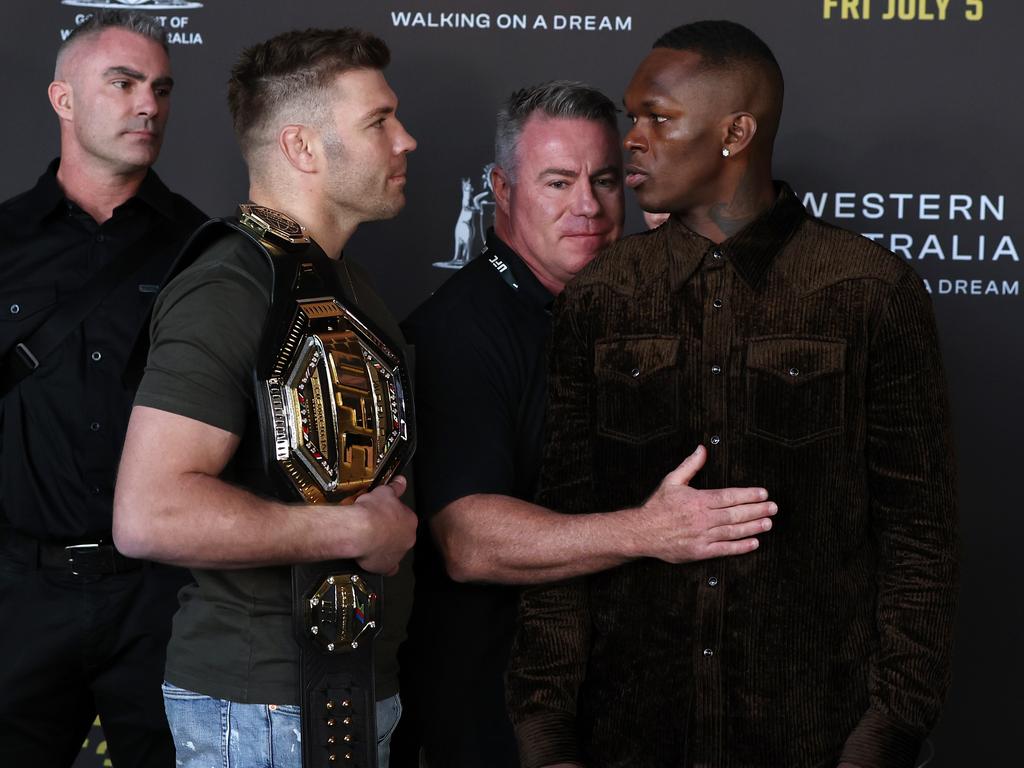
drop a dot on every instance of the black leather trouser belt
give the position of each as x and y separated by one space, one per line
85 558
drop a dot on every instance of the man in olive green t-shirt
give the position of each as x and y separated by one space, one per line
316 122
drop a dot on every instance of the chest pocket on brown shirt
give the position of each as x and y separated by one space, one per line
637 387
795 388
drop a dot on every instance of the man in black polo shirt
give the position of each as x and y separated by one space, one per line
84 628
480 405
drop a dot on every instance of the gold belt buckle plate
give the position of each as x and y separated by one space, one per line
338 404
341 610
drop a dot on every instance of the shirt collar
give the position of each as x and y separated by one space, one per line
46 196
529 286
154 193
751 250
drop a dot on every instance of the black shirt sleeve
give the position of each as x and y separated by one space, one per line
465 413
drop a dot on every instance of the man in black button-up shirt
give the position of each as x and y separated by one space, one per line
84 628
805 358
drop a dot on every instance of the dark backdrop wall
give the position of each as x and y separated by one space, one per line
901 123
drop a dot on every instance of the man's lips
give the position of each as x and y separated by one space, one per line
602 235
142 133
635 176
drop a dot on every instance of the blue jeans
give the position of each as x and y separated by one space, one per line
225 734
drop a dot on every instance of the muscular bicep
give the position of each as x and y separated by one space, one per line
162 451
162 446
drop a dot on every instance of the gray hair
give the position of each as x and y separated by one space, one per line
557 98
99 22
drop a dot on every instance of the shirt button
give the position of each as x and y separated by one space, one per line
635 373
95 490
716 369
99 237
794 371
715 439
716 254
96 356
708 652
95 426
713 581
15 309
717 303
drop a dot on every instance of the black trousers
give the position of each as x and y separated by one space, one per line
453 694
72 647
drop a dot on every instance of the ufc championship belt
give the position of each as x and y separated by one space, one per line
336 419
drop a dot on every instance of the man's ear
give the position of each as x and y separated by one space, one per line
502 188
739 132
301 146
60 93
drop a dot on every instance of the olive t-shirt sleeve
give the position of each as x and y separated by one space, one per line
205 336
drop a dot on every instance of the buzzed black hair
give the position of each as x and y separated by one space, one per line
721 44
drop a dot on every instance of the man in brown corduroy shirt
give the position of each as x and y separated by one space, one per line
805 358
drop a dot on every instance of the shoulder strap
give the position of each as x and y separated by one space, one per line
25 356
201 239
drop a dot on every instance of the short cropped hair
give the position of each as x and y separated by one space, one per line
722 44
293 71
557 98
101 21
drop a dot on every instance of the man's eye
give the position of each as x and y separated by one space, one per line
162 92
122 84
659 119
607 182
631 118
559 184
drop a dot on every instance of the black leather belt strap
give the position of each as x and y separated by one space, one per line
336 687
88 558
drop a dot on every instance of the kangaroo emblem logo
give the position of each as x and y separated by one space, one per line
475 215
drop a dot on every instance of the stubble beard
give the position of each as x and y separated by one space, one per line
355 188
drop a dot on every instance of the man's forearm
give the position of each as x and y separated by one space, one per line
204 522
488 537
171 505
546 666
912 483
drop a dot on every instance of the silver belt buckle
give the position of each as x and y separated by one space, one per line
73 549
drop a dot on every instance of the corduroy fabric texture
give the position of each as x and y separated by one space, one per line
806 359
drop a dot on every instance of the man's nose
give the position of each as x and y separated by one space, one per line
635 141
585 202
146 102
404 142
